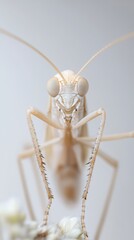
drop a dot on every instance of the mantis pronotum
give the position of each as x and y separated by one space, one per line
67 127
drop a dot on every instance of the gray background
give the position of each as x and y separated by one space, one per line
69 32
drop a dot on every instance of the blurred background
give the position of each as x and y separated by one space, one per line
69 33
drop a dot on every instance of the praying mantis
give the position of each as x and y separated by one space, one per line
67 136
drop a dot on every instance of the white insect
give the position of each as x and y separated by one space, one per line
67 137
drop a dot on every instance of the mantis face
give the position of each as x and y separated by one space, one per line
68 95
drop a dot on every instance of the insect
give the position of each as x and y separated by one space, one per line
67 135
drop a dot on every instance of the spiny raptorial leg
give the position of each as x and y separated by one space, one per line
92 158
40 159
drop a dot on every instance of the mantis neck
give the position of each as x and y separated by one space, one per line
68 139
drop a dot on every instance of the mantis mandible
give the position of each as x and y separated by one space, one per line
67 135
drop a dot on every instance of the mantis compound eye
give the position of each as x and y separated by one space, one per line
53 87
82 86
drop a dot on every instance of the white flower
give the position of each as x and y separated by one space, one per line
42 230
11 212
54 233
67 229
31 229
14 226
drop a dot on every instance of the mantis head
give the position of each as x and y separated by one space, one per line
68 94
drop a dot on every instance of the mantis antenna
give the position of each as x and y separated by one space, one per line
109 45
2 31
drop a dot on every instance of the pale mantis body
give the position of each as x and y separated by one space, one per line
67 92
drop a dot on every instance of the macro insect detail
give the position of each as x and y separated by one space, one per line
67 106
66 137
